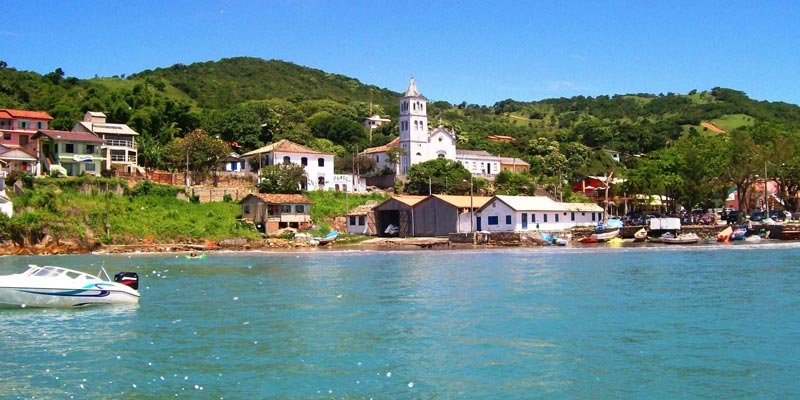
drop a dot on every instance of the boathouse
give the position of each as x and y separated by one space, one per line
397 212
272 212
441 215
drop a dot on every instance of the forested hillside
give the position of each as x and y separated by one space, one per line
248 102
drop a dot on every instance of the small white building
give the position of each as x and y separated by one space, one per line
349 183
381 155
479 162
375 121
318 165
525 213
234 163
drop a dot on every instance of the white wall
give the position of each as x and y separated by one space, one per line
356 228
555 219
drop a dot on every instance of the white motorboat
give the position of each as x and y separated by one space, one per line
49 286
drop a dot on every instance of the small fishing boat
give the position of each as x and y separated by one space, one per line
660 239
640 235
753 239
195 256
790 234
606 236
50 286
588 239
725 234
739 233
616 241
329 238
684 238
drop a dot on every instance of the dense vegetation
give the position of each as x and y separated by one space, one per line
249 102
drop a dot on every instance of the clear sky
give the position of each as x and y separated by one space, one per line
474 51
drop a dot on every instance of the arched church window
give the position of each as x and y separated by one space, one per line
419 154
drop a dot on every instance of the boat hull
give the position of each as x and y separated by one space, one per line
94 294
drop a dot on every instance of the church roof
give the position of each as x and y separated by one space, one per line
412 89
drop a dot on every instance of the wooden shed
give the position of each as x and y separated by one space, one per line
272 212
441 215
397 212
361 220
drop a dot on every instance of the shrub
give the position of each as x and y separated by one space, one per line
227 198
147 187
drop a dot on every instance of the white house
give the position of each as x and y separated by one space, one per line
234 163
525 213
375 121
119 149
479 162
381 155
318 165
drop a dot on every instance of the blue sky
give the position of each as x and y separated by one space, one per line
474 51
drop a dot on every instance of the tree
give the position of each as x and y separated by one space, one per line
282 178
744 158
200 151
515 184
440 176
353 164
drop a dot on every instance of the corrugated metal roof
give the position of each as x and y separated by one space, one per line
17 154
464 201
543 203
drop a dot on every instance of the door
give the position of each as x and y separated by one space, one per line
403 224
372 228
478 222
524 221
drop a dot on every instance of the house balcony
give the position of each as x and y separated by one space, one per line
122 158
129 144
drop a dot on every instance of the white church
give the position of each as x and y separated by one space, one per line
419 144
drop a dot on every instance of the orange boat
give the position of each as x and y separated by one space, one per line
724 235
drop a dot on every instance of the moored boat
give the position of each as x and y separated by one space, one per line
49 286
640 235
790 234
660 239
605 236
724 234
684 238
329 238
739 233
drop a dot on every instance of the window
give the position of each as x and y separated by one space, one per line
304 161
89 167
361 219
23 124
40 125
299 209
572 216
508 220
533 217
321 162
321 181
90 149
7 136
23 140
556 215
69 148
286 160
286 209
492 220
592 217
353 220
544 217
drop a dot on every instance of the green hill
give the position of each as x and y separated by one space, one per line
230 81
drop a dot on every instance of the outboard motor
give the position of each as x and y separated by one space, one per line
130 279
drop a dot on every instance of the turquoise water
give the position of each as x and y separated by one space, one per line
701 322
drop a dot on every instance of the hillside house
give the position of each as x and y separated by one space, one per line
479 162
513 164
271 213
318 165
525 213
119 149
69 153
17 146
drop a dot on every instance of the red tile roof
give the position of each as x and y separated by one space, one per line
68 136
383 149
278 198
27 114
5 115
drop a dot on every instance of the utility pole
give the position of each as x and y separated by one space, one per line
766 198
